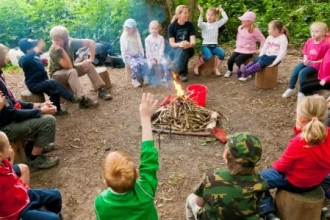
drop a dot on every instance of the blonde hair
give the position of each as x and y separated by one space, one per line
119 172
278 25
214 11
3 141
314 109
154 23
251 27
60 32
235 167
178 11
323 26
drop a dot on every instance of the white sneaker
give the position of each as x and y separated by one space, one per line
164 80
227 74
145 80
300 96
217 72
249 77
289 92
242 79
136 83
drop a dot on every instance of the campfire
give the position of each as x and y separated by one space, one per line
182 115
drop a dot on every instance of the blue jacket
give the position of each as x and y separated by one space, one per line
34 70
9 113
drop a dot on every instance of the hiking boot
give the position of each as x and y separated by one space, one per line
271 216
227 74
183 78
61 113
289 92
42 162
86 102
75 99
103 94
48 148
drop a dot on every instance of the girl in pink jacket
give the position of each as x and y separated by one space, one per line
247 36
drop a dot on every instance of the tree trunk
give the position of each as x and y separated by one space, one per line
192 9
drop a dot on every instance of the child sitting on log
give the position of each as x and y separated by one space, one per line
210 32
17 200
232 192
155 53
131 192
133 54
271 54
305 162
36 77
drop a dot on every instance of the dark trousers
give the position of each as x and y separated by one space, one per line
326 186
238 58
179 60
309 86
300 72
279 181
53 89
50 199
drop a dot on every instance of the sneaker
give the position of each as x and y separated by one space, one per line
103 94
136 83
227 74
183 78
217 72
86 102
164 80
289 92
75 99
61 113
325 213
42 162
48 148
145 80
271 216
300 96
243 79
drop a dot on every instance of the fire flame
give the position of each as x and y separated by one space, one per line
179 91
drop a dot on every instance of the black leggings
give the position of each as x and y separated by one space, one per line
309 86
238 58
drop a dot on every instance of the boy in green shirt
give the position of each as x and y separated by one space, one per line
130 194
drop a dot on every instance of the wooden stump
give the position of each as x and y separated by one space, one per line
207 68
128 74
266 78
299 206
103 73
18 148
27 96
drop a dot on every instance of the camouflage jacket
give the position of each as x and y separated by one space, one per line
230 197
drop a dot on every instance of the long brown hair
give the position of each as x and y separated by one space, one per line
278 25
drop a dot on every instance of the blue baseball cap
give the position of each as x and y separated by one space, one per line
26 44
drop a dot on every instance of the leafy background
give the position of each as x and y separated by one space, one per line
103 19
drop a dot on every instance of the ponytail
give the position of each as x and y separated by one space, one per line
277 24
174 18
314 109
178 11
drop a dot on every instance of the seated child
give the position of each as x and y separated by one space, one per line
17 200
272 52
314 51
155 51
133 54
210 32
232 192
21 170
131 192
305 162
247 35
36 77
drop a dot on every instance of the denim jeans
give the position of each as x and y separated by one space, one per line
53 89
50 199
279 181
264 60
300 72
208 52
179 60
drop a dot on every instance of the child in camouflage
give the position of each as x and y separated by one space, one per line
232 192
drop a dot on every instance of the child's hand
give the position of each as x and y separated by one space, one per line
271 65
200 9
306 62
148 105
220 8
322 82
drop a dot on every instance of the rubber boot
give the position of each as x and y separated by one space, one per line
217 64
252 69
199 62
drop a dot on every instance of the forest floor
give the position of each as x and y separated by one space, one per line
84 137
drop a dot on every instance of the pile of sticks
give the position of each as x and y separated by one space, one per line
184 115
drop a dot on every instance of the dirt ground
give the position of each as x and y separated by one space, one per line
84 137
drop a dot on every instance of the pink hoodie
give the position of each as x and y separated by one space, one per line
246 41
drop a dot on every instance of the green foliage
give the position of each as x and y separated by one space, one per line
103 19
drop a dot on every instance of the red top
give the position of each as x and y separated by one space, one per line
13 191
305 167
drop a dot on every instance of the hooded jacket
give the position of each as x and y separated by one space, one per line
14 197
302 165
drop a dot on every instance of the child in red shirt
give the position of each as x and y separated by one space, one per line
305 162
17 200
